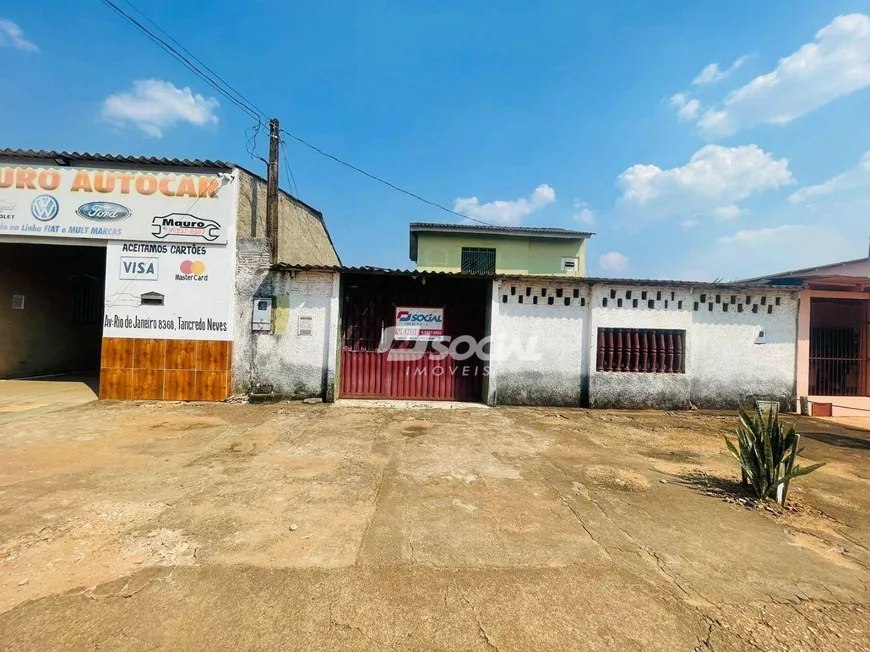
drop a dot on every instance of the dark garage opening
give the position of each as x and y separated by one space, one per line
52 309
369 304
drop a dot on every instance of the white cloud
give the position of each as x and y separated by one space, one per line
582 213
687 109
728 212
156 105
505 212
686 225
12 36
857 177
613 261
713 73
837 63
757 236
768 250
712 182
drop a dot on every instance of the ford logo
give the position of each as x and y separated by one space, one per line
103 211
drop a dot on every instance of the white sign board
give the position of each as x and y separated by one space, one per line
74 202
167 290
419 323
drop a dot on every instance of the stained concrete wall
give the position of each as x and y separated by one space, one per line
294 364
302 235
544 339
43 338
724 364
541 346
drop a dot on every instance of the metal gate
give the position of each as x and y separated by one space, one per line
371 370
838 347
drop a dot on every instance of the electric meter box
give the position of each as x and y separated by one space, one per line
262 318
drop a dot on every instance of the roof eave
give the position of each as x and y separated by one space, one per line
501 231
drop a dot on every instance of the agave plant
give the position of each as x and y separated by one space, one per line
766 453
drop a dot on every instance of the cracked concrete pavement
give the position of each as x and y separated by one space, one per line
143 526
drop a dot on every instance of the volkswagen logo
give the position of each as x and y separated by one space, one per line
44 208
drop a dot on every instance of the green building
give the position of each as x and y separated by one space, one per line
474 249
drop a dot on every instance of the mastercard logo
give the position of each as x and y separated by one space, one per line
196 267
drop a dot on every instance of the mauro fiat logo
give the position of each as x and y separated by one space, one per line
192 270
185 225
103 211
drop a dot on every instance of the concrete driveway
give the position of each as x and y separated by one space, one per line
30 397
143 526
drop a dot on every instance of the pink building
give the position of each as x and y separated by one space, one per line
833 348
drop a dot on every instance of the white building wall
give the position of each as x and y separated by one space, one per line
725 360
728 365
540 344
672 309
294 364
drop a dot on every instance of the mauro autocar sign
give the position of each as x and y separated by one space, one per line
72 202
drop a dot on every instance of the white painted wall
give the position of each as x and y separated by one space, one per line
294 364
195 306
540 349
727 365
723 364
543 353
630 390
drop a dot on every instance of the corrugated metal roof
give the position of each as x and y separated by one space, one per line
113 158
367 269
638 282
799 272
531 278
510 230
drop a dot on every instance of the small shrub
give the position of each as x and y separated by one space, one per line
766 452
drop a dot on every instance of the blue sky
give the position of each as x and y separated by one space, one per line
599 116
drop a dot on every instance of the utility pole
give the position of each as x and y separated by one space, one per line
272 190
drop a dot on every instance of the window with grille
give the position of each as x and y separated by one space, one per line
476 260
569 264
641 350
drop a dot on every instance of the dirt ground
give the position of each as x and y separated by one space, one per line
144 526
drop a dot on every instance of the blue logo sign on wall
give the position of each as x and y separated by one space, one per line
44 208
103 211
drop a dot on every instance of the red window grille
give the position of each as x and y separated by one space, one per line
641 350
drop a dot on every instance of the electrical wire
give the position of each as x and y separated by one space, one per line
244 104
290 178
251 145
224 88
229 86
380 180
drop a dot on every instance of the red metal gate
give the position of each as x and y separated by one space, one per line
401 372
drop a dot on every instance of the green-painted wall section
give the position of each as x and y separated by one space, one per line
513 255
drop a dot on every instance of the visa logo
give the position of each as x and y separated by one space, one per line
136 268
